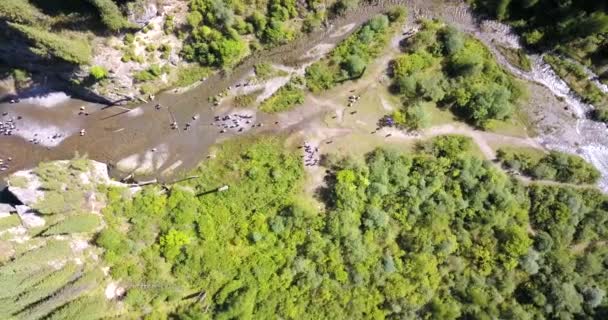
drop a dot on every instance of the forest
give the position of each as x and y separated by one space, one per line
574 28
446 68
437 234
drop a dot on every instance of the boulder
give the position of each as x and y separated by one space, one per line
29 219
6 209
141 13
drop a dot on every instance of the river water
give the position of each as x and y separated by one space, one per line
116 133
48 127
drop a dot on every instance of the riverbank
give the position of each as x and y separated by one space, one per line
142 136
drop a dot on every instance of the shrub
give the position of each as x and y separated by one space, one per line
152 73
98 72
263 70
285 98
191 74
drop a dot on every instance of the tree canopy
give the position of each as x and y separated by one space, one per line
437 234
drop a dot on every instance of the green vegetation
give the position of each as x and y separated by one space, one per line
247 100
20 11
349 59
47 275
18 181
438 234
575 28
98 73
223 33
77 223
58 30
191 74
447 68
86 308
263 70
46 287
152 73
70 49
516 57
64 189
555 165
21 77
28 262
110 15
9 222
288 96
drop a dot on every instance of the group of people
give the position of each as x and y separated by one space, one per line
311 155
235 121
7 126
352 99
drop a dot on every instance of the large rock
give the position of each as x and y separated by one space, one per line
29 219
5 210
141 13
30 194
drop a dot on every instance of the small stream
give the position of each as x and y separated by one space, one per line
563 123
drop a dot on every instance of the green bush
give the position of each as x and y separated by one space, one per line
285 98
247 100
319 77
152 73
21 77
427 232
98 72
191 74
263 70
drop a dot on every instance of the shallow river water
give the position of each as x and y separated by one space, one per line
48 128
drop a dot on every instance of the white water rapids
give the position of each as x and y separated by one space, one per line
576 135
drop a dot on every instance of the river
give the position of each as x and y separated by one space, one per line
144 133
48 127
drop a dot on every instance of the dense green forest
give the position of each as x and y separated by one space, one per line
555 165
438 234
444 67
575 28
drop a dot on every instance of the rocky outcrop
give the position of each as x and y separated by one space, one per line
141 12
29 218
30 193
6 210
